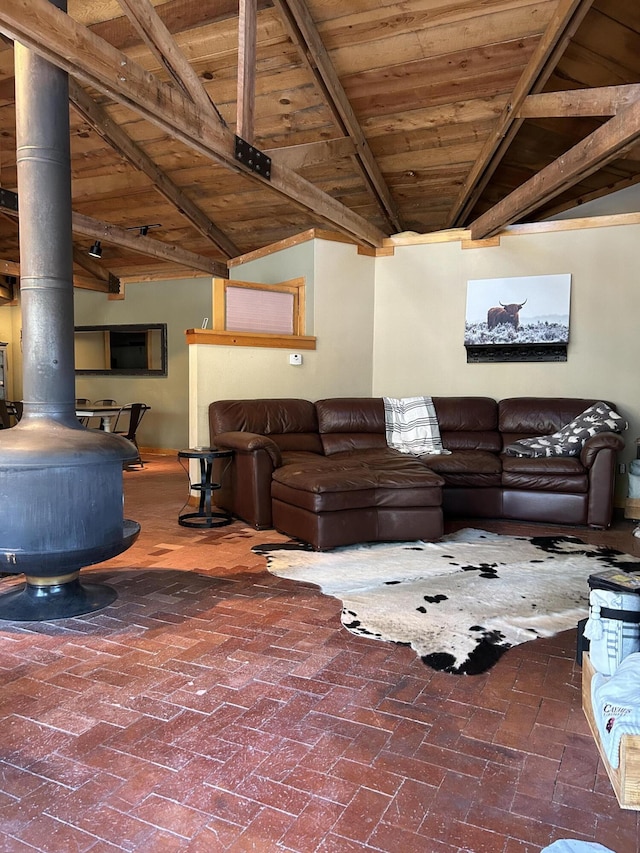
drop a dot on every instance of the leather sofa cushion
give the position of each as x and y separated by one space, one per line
473 461
292 424
319 488
463 414
490 442
379 457
468 423
544 465
464 468
352 442
351 423
357 423
549 474
302 457
350 414
550 483
467 468
476 481
532 416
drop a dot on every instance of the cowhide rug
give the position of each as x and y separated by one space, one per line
461 602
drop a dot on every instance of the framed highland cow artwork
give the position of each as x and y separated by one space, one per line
525 318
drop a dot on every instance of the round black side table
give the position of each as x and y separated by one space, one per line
204 517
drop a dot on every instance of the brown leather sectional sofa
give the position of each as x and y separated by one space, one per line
322 471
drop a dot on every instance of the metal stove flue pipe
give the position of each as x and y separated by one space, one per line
61 485
46 258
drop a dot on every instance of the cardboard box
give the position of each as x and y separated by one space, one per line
625 778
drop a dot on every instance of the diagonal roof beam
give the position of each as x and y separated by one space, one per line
562 26
304 33
57 37
107 281
313 153
177 15
599 101
161 43
609 189
602 146
124 145
101 282
145 245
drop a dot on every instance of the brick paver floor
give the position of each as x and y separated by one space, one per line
213 707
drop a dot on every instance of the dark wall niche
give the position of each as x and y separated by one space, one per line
126 350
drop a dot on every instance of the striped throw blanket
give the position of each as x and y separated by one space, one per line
411 425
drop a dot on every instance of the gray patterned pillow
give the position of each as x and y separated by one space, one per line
569 440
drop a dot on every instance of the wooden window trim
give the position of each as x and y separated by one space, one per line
250 339
295 286
219 336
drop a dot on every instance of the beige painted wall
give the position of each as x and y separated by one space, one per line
181 304
420 311
340 300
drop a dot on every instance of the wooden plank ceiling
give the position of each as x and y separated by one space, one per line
378 116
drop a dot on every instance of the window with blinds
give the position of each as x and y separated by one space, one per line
247 306
250 310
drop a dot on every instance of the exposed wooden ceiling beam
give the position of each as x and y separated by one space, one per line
601 101
313 153
576 203
145 245
105 280
304 33
136 242
85 283
57 37
99 119
161 43
603 145
563 24
88 282
177 15
246 93
9 268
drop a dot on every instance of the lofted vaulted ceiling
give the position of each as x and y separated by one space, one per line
378 117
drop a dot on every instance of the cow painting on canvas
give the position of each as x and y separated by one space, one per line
517 319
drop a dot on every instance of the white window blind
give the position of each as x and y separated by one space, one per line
253 310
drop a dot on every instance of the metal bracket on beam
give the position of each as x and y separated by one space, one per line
8 200
252 158
113 284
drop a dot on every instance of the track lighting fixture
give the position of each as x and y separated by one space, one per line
96 250
144 229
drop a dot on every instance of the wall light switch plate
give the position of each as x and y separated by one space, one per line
295 358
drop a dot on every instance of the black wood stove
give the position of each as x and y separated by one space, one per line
61 486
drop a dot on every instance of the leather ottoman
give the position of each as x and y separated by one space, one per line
334 504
